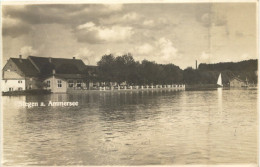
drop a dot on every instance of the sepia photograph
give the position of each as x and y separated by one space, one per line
163 83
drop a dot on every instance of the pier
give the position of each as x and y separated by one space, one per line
146 87
131 88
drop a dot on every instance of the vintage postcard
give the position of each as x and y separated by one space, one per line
172 83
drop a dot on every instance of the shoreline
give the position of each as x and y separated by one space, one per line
27 92
197 87
123 90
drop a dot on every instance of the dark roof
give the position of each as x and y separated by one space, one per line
41 62
68 76
25 66
91 66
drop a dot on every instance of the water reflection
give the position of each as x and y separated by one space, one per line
133 128
220 99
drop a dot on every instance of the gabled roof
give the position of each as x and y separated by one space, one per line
237 79
41 62
91 67
25 66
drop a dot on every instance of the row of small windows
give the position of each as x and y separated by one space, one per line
59 82
20 81
78 83
12 89
70 83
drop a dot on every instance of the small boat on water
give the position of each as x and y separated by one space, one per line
249 85
252 87
219 82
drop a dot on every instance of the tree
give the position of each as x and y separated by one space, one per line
106 68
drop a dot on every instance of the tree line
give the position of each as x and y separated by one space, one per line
125 69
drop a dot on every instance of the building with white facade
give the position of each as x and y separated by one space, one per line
54 74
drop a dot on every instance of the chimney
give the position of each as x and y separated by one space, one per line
50 59
73 58
53 71
20 58
196 65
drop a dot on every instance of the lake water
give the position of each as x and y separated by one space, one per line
161 127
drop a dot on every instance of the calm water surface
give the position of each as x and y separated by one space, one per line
133 128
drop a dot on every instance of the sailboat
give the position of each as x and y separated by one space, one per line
219 83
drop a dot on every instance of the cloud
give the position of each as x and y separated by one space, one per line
14 27
209 19
36 14
71 15
86 55
168 51
115 33
161 51
88 25
114 7
91 33
126 19
148 23
135 28
205 57
144 49
28 51
131 16
137 20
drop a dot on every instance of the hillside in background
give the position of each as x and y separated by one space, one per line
247 65
208 73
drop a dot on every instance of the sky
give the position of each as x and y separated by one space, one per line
165 33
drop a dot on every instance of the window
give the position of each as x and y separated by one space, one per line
78 83
59 83
11 89
20 88
71 84
20 81
48 83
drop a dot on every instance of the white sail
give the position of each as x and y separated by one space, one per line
219 80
